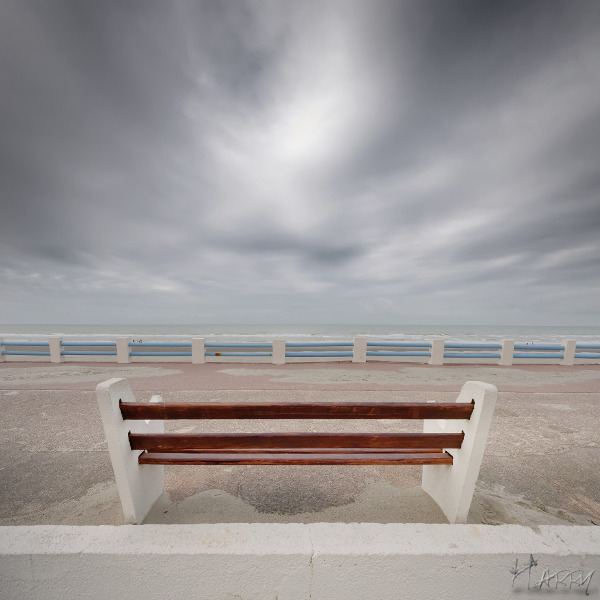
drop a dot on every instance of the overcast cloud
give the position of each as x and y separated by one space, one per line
282 162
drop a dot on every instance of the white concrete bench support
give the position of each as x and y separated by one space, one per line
452 486
139 485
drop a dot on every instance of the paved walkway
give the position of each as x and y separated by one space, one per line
541 464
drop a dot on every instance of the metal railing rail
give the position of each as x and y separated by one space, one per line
80 345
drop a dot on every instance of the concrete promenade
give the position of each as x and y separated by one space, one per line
541 465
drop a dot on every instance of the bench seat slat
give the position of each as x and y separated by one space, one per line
307 451
417 458
172 442
297 410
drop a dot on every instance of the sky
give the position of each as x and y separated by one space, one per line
300 162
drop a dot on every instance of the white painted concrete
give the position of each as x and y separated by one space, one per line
198 351
321 561
55 349
139 486
437 352
359 354
507 352
278 352
569 352
123 350
452 486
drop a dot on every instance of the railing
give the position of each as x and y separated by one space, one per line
435 352
378 353
225 349
589 355
319 353
160 345
469 346
81 345
550 351
24 352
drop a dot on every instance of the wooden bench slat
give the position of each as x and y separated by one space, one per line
173 442
306 450
297 410
157 458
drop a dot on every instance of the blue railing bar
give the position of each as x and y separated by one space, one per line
238 354
87 353
539 347
400 344
160 354
5 343
587 355
160 344
408 353
538 355
316 354
318 344
471 355
588 347
248 345
458 345
19 353
82 344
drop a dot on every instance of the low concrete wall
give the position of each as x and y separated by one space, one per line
297 561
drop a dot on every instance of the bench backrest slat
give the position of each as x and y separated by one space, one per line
175 442
315 410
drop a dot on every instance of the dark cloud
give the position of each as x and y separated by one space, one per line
346 160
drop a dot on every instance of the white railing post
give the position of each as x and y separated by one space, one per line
198 351
2 357
359 351
507 354
139 486
437 352
55 349
123 350
569 352
279 352
452 486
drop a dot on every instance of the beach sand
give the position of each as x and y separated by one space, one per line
541 464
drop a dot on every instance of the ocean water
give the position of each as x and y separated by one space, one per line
302 333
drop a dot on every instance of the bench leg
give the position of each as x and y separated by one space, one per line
452 486
139 485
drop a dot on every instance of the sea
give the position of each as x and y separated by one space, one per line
301 333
